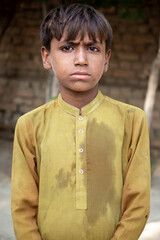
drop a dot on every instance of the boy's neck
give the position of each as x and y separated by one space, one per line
79 99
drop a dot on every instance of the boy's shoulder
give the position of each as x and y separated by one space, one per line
124 108
39 112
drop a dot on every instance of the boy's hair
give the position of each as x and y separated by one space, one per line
72 20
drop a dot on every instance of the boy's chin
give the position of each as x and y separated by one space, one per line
83 89
79 88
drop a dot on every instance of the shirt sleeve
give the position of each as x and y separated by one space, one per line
136 190
24 184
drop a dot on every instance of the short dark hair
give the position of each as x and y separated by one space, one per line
74 19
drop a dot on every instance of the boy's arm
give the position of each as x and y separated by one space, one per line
136 191
24 184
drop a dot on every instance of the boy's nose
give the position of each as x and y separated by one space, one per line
81 57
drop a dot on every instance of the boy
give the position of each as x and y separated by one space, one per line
81 162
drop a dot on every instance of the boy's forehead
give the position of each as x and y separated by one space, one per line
80 38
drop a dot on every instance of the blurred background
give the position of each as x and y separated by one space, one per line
133 77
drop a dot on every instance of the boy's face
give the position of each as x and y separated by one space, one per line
78 64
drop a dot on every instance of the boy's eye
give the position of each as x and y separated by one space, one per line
94 49
66 48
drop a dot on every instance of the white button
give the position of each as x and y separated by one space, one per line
80 131
80 118
81 171
80 149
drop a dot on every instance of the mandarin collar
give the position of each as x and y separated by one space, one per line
85 110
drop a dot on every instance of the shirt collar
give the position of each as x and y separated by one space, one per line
85 110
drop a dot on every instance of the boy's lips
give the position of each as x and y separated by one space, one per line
80 75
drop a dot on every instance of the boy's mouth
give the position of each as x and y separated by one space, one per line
80 75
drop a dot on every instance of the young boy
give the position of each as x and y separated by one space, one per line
81 168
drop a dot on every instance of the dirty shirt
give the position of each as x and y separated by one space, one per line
81 176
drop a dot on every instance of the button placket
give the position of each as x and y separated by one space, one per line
81 165
81 171
80 131
80 150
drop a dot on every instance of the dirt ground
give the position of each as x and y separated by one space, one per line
151 231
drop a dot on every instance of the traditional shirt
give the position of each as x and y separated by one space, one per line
81 175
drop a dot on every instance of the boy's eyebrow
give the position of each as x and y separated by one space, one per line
77 43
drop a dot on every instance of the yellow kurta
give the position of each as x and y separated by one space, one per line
81 177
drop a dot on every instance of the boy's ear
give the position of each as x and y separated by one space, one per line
107 57
46 58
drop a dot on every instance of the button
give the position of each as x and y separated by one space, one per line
80 131
80 118
80 149
81 171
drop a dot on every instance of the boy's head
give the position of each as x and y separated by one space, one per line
76 45
73 20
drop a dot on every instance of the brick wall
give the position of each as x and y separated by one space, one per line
23 79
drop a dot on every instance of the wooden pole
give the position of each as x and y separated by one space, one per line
152 87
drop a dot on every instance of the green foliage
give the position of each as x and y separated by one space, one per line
41 1
126 9
131 9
